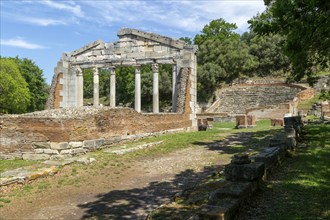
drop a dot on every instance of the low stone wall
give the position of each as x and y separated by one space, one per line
63 132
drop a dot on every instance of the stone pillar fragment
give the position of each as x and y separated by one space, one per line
174 76
96 87
137 103
112 87
80 87
155 89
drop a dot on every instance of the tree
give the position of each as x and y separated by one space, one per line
37 85
186 39
306 26
268 51
216 29
14 92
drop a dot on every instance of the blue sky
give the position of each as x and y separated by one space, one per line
42 30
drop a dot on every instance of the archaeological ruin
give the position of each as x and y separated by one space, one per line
68 128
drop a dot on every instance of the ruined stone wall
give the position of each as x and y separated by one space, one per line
61 133
32 137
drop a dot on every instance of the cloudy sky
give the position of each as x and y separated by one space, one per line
42 30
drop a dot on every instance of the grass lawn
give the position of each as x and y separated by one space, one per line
302 189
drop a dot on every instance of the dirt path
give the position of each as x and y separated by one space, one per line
128 191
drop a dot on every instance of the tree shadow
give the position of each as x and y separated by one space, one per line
239 142
137 202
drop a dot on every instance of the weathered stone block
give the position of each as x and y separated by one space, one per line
234 190
78 151
93 144
251 120
294 121
43 145
50 151
277 122
60 157
69 151
290 132
75 144
270 157
241 159
30 156
59 146
244 172
241 121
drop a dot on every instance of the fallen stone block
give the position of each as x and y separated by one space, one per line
270 157
244 172
239 190
241 121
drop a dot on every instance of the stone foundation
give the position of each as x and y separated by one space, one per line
32 136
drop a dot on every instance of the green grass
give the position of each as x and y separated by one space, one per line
13 164
303 191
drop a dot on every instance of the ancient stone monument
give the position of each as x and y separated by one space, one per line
67 128
134 48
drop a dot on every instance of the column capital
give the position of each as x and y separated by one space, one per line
96 70
155 67
78 71
137 69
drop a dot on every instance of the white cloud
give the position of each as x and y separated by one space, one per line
65 6
21 43
41 21
188 16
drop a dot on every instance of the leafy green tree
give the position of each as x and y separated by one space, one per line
208 80
37 85
306 26
216 29
230 54
14 91
88 83
188 40
271 59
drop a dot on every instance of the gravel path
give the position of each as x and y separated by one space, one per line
129 191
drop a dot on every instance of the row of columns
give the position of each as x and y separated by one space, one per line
137 103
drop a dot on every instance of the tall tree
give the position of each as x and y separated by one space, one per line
37 85
268 51
216 29
306 25
14 91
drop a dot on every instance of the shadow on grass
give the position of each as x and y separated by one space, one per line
240 142
136 203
